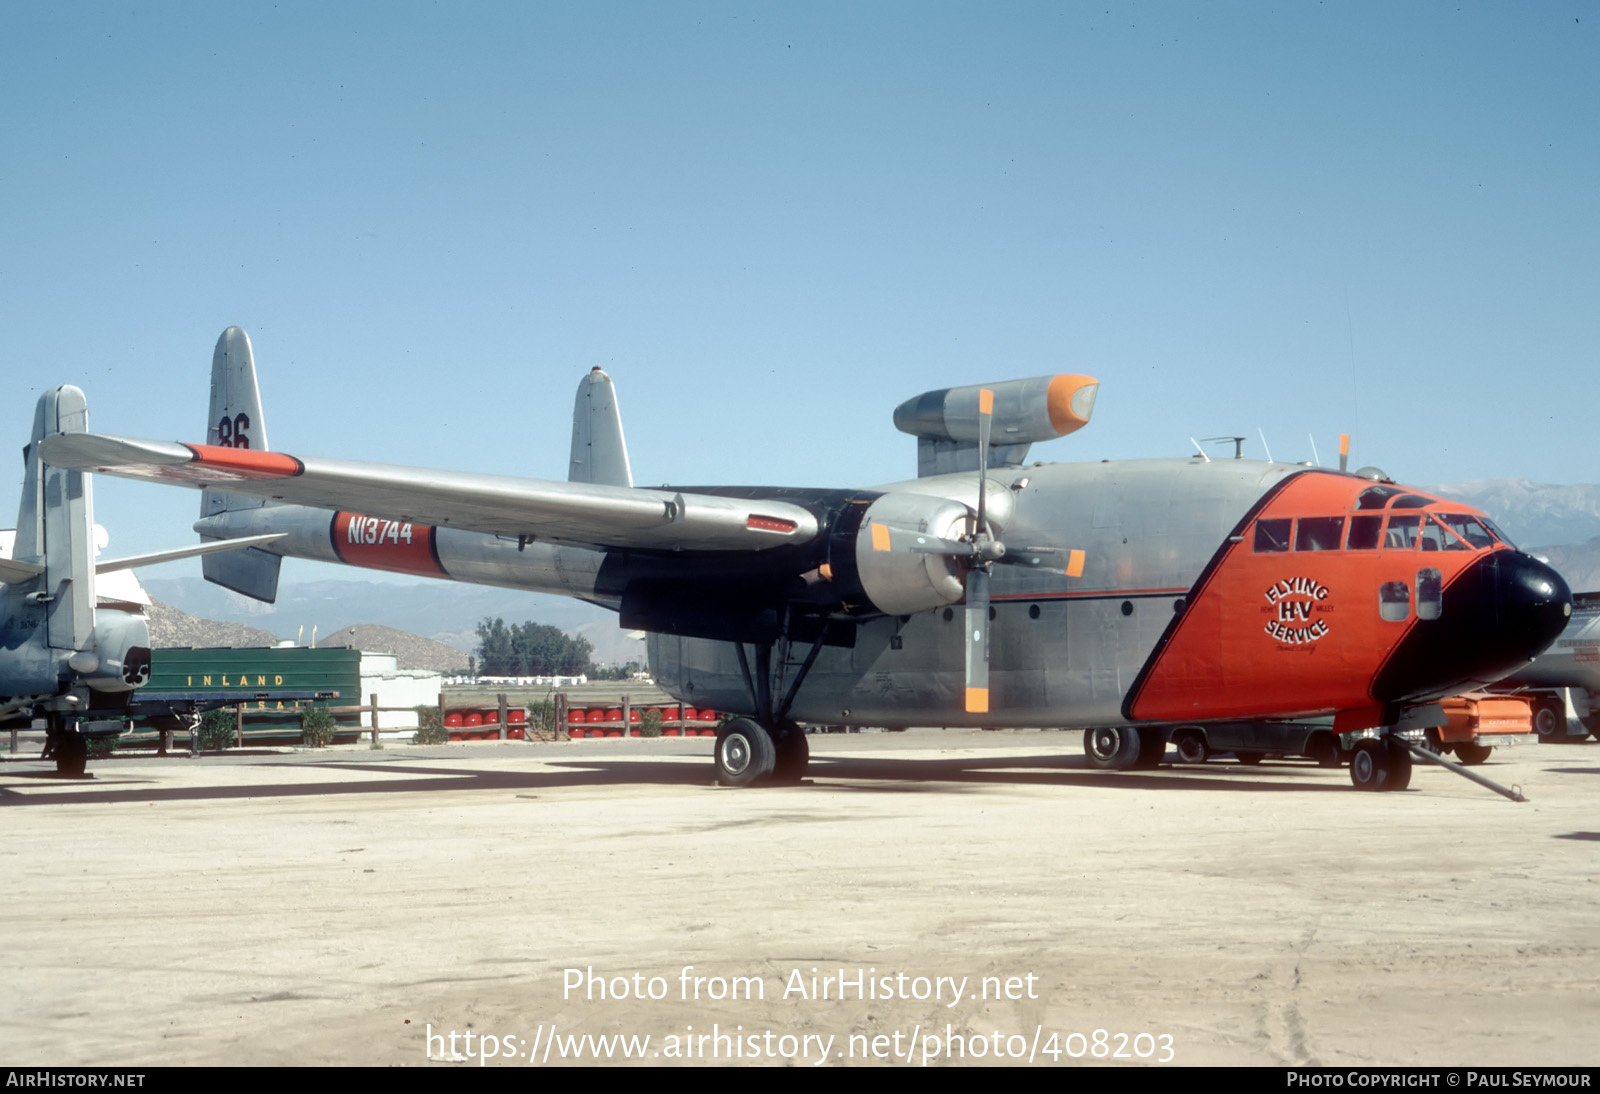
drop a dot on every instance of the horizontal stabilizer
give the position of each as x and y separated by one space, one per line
154 558
13 572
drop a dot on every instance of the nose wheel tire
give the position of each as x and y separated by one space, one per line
1380 765
745 753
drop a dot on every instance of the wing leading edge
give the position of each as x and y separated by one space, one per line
537 509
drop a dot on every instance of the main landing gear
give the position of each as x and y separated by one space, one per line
748 754
767 748
67 746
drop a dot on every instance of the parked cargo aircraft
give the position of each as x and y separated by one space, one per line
1124 597
70 653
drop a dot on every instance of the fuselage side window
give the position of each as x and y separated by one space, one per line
1272 536
1394 601
1410 501
1318 533
1365 533
1430 593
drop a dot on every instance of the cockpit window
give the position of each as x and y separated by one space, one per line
1464 533
1272 536
1411 501
1436 537
1318 533
1468 527
1365 533
1495 531
1376 497
1403 532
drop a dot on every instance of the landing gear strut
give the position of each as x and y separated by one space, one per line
766 748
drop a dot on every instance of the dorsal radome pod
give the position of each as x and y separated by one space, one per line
1025 411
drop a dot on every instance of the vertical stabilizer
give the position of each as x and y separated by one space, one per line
599 454
55 525
236 421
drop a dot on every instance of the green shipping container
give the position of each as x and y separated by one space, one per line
255 675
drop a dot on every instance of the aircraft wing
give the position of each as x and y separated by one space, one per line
579 513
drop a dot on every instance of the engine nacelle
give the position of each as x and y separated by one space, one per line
898 578
119 660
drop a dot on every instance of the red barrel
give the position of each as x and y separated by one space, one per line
574 717
516 716
472 718
453 719
596 715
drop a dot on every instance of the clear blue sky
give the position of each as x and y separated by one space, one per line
772 223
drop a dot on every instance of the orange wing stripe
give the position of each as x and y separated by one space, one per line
246 463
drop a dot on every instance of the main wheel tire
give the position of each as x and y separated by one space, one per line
793 754
1191 746
745 753
1399 765
1111 748
1322 748
1369 765
1152 748
1472 753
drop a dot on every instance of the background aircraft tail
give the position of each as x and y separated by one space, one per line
236 421
599 454
55 525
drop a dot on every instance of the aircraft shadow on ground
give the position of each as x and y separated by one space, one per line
856 774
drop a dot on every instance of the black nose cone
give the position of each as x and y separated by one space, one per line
1495 617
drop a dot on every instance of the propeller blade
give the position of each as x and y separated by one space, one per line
985 425
977 641
1034 559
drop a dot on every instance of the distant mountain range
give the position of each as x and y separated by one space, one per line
1533 514
1560 523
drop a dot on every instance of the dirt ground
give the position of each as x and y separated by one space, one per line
356 906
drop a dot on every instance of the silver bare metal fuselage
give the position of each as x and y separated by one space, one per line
1064 650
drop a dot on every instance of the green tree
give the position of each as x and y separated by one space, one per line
530 649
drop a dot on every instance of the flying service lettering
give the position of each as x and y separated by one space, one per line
1294 599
